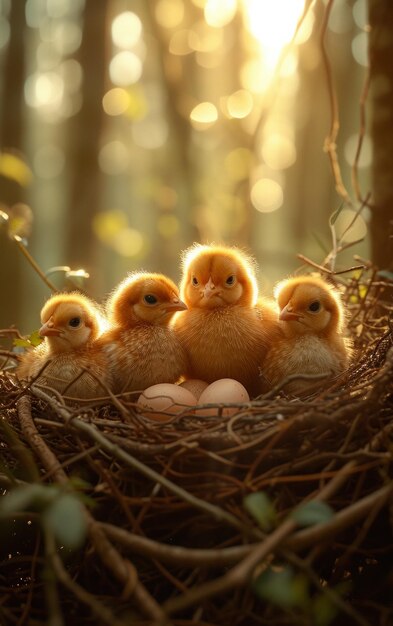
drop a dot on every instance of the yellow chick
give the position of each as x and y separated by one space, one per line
71 323
311 342
226 329
142 347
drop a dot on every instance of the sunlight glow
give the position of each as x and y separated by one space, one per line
219 13
114 158
128 242
203 115
126 30
115 101
169 13
267 195
357 231
239 104
278 151
272 24
125 68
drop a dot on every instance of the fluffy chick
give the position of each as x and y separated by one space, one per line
312 342
71 324
142 347
226 330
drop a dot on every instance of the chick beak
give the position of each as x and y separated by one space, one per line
288 315
209 289
176 305
49 330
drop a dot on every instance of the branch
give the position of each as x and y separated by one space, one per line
93 433
124 571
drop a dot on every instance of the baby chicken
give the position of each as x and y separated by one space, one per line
142 347
70 325
311 323
226 330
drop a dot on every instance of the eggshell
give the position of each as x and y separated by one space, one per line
225 390
194 385
163 398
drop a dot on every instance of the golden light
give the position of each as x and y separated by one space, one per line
273 25
128 242
267 195
203 115
206 39
115 101
168 226
107 224
350 227
278 151
126 30
125 68
366 153
239 104
238 163
219 13
169 13
114 158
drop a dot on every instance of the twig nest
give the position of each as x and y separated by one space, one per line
162 401
195 385
223 391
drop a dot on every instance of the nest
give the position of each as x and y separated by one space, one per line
171 531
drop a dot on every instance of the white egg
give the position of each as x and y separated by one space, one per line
164 398
225 390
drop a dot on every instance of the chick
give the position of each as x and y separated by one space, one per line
142 347
70 325
312 342
226 330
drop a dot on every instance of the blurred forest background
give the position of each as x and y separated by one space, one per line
131 128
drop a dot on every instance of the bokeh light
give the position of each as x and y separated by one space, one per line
348 228
203 115
114 158
125 68
366 153
126 30
219 13
267 195
169 13
239 104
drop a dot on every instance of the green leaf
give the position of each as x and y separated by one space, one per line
31 341
335 214
261 508
312 513
323 610
26 497
282 587
65 518
385 274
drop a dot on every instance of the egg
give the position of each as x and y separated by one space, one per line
163 398
225 390
194 385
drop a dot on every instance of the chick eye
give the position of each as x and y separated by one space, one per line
150 299
74 322
195 281
314 306
230 280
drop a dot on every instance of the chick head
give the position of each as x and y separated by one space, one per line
309 305
69 321
217 276
144 297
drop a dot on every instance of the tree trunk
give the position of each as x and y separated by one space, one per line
381 91
85 136
11 138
